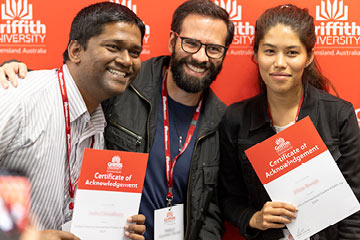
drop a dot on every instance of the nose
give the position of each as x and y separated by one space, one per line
280 61
124 58
200 56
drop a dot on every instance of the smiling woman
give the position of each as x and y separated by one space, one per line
292 88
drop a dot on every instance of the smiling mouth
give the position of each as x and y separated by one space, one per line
195 69
280 75
117 72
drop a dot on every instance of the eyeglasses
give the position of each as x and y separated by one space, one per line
192 46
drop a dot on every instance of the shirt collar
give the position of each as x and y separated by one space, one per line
309 107
76 102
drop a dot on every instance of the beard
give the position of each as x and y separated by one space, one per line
189 83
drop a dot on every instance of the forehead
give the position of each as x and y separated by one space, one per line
205 29
282 36
123 31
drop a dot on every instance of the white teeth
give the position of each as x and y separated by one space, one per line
113 71
196 69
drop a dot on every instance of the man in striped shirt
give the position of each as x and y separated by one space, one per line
47 121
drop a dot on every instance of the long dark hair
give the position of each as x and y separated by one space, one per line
302 23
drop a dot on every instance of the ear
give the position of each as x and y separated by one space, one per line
172 41
310 58
74 51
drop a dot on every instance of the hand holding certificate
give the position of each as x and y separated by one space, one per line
108 193
300 170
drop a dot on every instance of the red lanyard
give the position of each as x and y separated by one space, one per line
297 113
170 165
72 186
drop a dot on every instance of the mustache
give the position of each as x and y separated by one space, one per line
205 65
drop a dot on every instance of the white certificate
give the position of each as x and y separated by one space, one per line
109 192
299 169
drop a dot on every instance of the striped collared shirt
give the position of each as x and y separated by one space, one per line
32 139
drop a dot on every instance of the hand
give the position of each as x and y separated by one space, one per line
30 233
137 231
273 215
56 235
8 73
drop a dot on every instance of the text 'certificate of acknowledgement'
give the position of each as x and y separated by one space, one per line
109 191
297 168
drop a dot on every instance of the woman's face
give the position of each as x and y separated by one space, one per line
282 58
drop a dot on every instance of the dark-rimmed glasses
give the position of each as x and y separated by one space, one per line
192 46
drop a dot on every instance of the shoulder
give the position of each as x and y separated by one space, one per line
331 103
151 70
214 102
244 108
34 83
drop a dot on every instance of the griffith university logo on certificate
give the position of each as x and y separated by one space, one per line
296 167
20 32
109 192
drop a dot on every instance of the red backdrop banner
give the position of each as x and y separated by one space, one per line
36 32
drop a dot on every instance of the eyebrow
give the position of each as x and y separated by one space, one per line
273 46
122 42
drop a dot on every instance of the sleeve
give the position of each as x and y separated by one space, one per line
232 188
349 164
11 122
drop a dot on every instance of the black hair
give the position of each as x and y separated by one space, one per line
89 22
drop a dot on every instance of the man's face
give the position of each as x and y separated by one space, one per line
195 72
111 60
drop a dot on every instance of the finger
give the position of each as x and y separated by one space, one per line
11 74
22 70
139 229
276 219
279 212
134 236
138 219
30 234
67 236
3 80
287 206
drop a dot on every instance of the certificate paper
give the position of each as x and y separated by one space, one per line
109 192
296 167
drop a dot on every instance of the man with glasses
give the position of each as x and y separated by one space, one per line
171 100
176 87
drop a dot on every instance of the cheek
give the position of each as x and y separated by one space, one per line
136 65
297 66
265 62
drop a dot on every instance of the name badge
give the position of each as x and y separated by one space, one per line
169 223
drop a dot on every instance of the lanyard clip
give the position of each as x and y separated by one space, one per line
169 197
